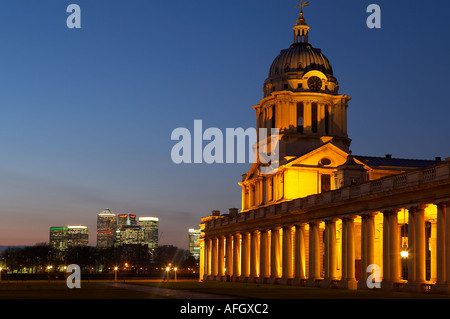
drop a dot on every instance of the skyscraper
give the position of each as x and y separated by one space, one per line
62 238
151 225
194 244
126 220
77 236
58 237
106 229
129 235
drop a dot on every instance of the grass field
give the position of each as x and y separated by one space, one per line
97 290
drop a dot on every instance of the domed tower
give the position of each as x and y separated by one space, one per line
302 100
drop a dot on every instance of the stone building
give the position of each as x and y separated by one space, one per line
327 217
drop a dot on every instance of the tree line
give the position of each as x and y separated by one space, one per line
134 258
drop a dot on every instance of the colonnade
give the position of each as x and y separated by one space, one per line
336 251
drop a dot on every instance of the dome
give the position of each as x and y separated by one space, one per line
301 67
300 57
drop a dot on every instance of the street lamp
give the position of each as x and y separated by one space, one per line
175 273
115 273
1 273
168 273
48 271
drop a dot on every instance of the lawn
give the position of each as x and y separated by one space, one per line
97 290
59 290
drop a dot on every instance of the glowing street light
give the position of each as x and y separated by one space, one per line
168 273
48 271
115 273
1 273
175 269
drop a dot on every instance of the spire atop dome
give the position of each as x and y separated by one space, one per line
301 29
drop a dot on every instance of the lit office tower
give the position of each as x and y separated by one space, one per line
151 225
106 229
194 244
77 236
126 220
129 235
58 238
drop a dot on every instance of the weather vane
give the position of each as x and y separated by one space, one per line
302 4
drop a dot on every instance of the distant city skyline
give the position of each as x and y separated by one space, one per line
86 115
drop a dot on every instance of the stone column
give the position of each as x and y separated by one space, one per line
214 258
349 281
385 270
264 257
420 245
254 255
419 251
307 113
364 261
287 263
314 254
275 255
443 250
343 249
245 256
221 258
229 256
330 262
411 245
392 254
367 247
440 243
236 257
300 255
207 259
394 247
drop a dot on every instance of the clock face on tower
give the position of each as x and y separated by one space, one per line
314 83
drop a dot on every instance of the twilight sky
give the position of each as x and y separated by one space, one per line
86 115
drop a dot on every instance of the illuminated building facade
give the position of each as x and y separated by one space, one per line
130 235
106 229
58 238
325 217
194 243
126 220
151 225
62 238
77 236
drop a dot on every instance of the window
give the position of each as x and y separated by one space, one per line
314 117
273 117
325 181
327 120
300 117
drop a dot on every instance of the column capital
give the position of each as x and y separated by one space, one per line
349 217
391 211
300 225
314 222
443 204
371 214
417 207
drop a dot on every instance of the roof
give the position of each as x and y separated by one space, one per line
300 57
388 161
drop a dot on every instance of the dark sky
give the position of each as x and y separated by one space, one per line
86 115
